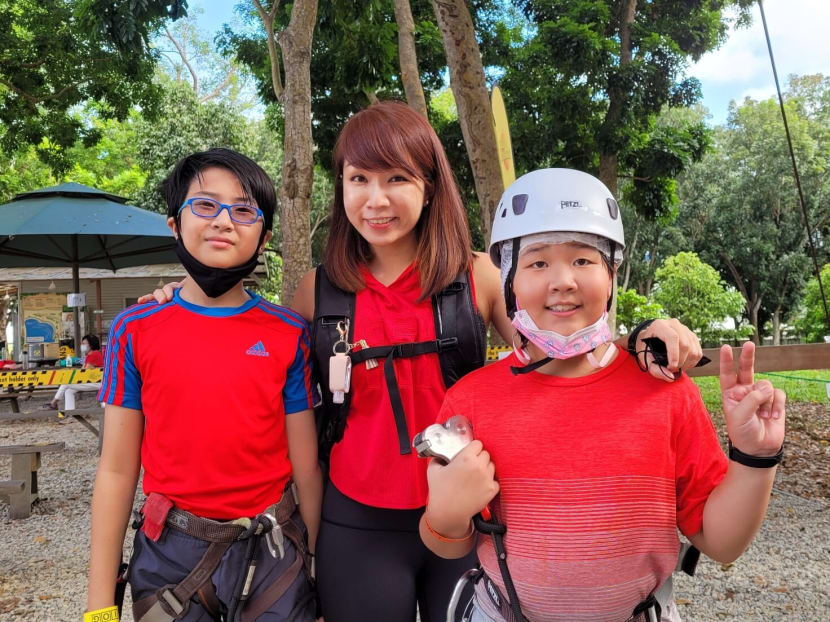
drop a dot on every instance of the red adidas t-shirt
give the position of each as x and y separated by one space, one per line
367 465
596 474
214 385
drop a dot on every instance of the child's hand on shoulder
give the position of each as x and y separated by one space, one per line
754 411
460 489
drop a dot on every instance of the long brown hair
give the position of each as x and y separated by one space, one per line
392 135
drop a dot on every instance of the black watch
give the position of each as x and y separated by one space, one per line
757 462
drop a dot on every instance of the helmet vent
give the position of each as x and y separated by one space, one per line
613 209
519 204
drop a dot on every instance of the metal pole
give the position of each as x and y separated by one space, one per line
76 287
18 335
99 316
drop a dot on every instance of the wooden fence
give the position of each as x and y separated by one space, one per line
773 358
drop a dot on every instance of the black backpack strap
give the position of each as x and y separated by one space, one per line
331 306
456 317
460 344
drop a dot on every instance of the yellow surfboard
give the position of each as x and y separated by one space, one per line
508 172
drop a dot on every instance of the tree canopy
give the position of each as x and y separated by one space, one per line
50 62
694 293
584 81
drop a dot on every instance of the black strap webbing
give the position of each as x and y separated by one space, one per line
642 609
497 530
397 404
531 367
390 353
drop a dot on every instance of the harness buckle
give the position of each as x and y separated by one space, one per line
404 350
274 538
447 343
166 597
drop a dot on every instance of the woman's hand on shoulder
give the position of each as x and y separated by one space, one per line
682 348
165 294
303 301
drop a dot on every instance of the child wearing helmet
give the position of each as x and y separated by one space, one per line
590 465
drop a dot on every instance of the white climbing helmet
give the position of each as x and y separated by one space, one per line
555 199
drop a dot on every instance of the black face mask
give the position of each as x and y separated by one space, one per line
213 281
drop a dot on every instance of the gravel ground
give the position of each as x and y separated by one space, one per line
785 575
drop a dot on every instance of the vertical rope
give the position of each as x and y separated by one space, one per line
795 168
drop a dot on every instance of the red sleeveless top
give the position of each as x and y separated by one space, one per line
367 464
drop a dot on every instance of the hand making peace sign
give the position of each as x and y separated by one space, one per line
754 411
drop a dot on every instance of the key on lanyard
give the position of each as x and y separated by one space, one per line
340 365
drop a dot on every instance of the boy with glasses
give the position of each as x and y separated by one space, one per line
229 452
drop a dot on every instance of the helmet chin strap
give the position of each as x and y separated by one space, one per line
509 295
596 364
529 368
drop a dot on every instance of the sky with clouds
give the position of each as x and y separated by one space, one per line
799 30
741 68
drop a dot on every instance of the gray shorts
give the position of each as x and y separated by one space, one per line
167 561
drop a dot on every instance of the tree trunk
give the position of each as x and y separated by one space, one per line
372 96
298 164
473 103
608 157
608 170
629 253
776 327
753 318
753 302
410 76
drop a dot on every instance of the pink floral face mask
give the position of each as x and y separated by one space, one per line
556 346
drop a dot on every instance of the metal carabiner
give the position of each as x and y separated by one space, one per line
455 599
343 331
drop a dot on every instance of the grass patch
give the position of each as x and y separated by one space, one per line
806 385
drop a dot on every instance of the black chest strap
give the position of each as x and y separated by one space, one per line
460 344
390 353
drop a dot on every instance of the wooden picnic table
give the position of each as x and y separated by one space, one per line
22 487
15 382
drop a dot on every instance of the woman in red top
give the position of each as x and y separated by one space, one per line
92 357
398 237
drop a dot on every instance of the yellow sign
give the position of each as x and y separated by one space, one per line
49 377
508 172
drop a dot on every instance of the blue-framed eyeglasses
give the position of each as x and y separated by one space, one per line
210 208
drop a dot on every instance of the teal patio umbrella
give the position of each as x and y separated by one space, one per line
75 225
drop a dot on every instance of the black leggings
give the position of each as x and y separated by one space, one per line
372 565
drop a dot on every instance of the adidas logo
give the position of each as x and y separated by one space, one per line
257 350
